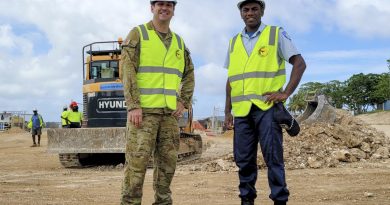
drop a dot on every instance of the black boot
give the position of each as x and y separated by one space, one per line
280 202
246 201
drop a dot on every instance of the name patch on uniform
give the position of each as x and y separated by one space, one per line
111 86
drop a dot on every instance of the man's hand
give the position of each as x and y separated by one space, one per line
135 116
228 121
179 109
275 97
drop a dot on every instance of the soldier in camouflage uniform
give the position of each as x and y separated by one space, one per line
155 63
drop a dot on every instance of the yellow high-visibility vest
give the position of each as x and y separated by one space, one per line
64 117
252 76
160 70
75 116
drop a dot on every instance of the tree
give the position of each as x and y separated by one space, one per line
297 103
312 87
360 91
382 89
335 90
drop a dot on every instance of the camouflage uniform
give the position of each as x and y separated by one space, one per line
159 133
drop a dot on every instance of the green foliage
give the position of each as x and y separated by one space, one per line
382 89
388 64
335 92
357 93
297 103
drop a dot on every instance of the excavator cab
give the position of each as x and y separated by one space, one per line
103 99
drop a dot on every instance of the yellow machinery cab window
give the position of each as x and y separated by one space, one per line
104 69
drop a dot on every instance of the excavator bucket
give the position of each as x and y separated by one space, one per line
317 109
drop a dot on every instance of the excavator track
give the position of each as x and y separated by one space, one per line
70 160
195 147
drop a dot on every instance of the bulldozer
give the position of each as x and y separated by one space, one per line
102 136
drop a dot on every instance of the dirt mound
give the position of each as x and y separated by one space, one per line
321 145
378 118
349 139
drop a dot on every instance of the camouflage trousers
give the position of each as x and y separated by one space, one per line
158 135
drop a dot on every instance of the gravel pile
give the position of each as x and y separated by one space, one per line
319 145
327 145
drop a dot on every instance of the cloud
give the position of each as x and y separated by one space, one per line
362 18
10 43
41 41
211 79
330 65
6 39
350 54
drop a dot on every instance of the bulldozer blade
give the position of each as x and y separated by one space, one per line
71 144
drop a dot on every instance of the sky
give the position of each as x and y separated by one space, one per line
41 43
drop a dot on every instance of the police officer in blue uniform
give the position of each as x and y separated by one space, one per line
255 63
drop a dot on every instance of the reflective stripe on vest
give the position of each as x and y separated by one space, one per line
252 76
160 70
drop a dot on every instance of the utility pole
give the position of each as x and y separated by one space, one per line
216 111
213 120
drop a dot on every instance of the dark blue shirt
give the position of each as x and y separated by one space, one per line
35 121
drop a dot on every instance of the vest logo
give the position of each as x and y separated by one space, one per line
178 55
111 105
263 51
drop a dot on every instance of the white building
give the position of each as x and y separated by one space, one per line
5 120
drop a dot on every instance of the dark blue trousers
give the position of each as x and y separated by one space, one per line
259 126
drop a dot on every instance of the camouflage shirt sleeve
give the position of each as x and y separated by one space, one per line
188 81
129 65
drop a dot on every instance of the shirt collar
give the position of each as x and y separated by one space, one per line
150 26
257 33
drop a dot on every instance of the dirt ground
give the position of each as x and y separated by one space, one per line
380 121
32 176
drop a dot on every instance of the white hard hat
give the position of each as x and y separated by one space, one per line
35 110
261 2
174 1
65 107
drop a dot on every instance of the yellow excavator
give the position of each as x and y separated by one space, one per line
102 136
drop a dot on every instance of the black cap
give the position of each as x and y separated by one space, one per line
294 128
286 120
